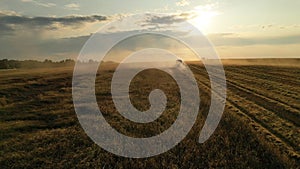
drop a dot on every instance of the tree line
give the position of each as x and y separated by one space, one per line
17 64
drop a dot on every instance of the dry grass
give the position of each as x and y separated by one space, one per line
39 128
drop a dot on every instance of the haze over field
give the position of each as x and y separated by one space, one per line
149 84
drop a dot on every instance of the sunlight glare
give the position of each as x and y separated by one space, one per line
203 18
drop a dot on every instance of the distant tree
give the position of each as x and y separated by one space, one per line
4 64
48 61
28 64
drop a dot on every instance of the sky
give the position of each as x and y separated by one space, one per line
57 30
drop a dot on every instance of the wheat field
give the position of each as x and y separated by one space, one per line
259 127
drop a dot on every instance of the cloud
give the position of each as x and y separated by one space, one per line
166 20
260 51
10 22
30 47
8 12
228 44
268 27
47 5
278 26
23 37
183 3
5 30
72 6
232 39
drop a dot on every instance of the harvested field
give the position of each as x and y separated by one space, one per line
260 127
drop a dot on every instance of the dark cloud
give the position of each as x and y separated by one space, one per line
29 47
47 21
154 20
166 19
9 22
61 48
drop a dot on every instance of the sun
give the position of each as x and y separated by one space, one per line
202 18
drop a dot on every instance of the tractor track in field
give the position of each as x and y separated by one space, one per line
289 144
286 73
269 78
282 109
244 83
278 76
269 104
287 92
